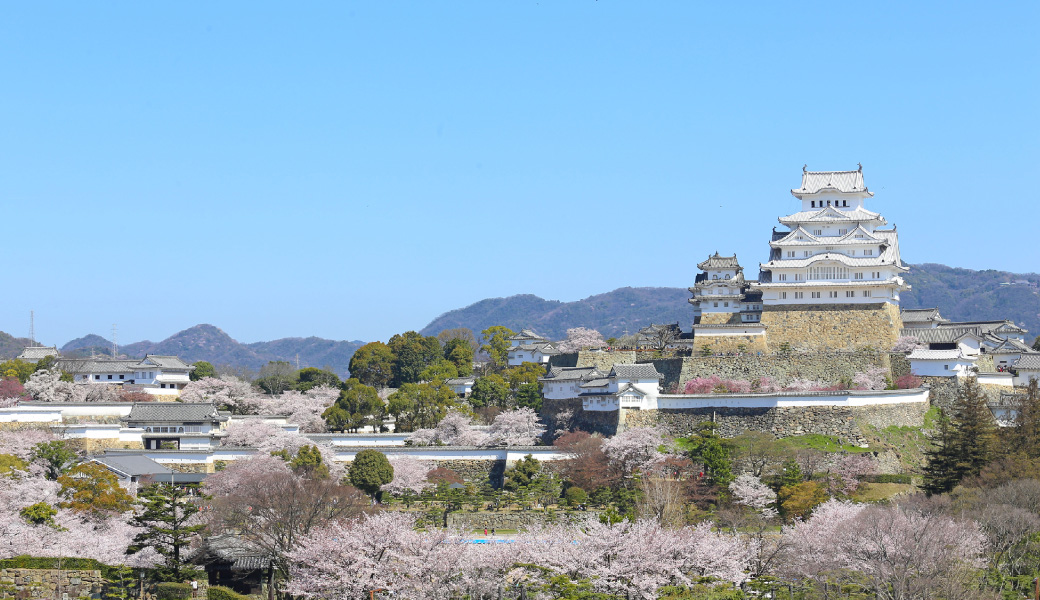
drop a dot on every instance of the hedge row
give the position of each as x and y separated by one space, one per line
37 562
173 591
217 592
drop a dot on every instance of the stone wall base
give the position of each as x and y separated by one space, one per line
714 344
809 327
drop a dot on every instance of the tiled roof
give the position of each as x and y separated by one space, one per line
527 334
808 239
921 315
920 354
842 181
35 353
830 214
174 412
96 365
1010 346
130 465
596 383
941 335
460 381
165 362
232 548
544 347
635 371
890 256
571 373
988 326
719 262
1030 362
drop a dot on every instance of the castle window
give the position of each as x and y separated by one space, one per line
797 295
783 277
842 231
834 294
817 232
850 294
725 304
805 253
814 204
866 293
790 254
868 253
828 203
783 295
797 276
947 367
714 276
859 275
844 202
815 294
716 305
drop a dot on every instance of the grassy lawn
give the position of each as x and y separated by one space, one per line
876 492
825 443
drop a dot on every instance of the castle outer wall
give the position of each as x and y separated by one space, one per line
828 327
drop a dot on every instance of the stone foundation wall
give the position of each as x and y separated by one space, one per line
51 583
477 472
96 446
843 422
832 326
719 318
568 415
713 344
604 360
829 367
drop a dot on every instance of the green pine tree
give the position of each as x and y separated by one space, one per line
940 475
168 525
1024 437
974 430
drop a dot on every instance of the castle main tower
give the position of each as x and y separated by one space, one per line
833 278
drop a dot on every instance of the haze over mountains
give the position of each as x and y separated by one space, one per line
960 294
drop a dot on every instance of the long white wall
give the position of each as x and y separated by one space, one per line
792 399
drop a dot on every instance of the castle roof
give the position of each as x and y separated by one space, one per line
832 215
921 354
1003 326
801 237
36 353
1029 362
635 371
942 335
720 262
840 181
527 334
889 256
572 374
921 315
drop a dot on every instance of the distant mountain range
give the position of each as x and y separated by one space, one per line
206 342
960 295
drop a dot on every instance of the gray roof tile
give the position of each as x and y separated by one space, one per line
843 181
1029 361
719 262
635 371
174 412
130 465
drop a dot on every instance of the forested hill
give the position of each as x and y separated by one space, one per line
206 342
960 294
612 314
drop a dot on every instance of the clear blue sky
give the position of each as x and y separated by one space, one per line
352 170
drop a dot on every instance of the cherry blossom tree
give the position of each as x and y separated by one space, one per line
907 343
228 392
455 429
11 389
749 491
579 338
22 442
874 378
302 408
518 427
848 471
635 448
46 385
807 385
409 475
273 507
765 385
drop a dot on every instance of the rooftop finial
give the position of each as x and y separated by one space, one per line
860 167
804 167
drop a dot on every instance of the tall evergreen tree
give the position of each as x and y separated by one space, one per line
940 475
168 525
1024 437
974 430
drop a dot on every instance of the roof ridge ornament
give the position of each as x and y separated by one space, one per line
860 169
805 167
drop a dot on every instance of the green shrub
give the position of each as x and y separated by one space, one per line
38 562
173 591
218 592
575 496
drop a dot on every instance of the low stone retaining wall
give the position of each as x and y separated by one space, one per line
51 583
843 422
